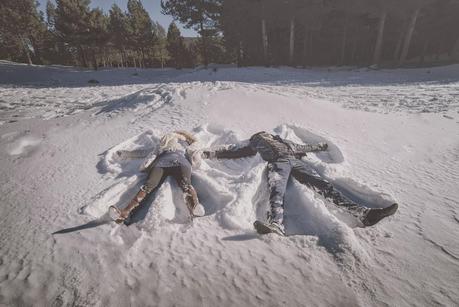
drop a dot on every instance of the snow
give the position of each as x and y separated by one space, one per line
392 134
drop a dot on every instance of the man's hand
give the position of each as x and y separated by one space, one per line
207 154
121 154
323 146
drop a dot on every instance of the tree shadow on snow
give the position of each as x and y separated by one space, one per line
151 98
242 237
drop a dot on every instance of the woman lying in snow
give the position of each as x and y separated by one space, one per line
284 159
174 157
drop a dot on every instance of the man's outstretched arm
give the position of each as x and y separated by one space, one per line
232 151
304 148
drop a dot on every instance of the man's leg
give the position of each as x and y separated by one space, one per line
368 216
278 174
152 182
308 176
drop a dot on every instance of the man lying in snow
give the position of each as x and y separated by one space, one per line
284 159
174 157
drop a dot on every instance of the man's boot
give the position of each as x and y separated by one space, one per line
374 215
269 226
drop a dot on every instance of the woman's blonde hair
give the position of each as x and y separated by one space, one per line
188 136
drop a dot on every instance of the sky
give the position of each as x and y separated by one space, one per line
152 6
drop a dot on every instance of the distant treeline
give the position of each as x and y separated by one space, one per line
246 32
74 34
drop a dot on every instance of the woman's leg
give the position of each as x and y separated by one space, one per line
152 182
182 174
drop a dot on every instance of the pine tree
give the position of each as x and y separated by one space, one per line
54 51
175 46
98 36
20 26
201 15
160 52
72 26
50 15
119 31
142 35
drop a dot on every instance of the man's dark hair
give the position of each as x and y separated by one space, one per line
256 134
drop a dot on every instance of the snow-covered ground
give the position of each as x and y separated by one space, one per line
392 135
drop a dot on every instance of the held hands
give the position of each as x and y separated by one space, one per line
323 146
195 156
121 155
207 154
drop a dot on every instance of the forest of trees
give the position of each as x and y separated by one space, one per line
340 32
247 32
71 33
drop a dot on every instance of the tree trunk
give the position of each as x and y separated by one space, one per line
83 56
305 46
104 59
439 49
264 38
205 56
239 55
409 34
292 40
379 40
204 44
124 58
26 50
343 42
142 55
398 46
354 51
455 50
121 63
36 52
94 60
423 54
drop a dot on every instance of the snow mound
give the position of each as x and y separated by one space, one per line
24 145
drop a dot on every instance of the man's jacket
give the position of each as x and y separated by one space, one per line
269 148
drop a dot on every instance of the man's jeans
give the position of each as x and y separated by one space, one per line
278 175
